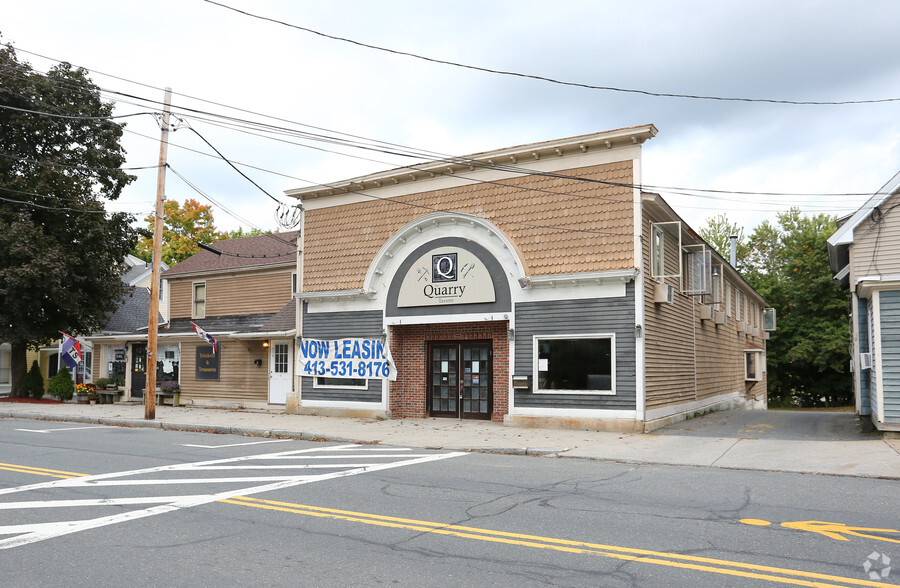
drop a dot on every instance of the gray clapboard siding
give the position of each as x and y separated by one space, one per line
574 317
340 325
862 323
890 354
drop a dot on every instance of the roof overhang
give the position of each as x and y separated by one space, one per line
840 241
267 335
866 284
511 156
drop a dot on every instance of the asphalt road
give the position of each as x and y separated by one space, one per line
109 506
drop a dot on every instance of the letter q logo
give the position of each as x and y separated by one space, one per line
443 267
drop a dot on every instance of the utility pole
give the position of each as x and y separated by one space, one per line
153 324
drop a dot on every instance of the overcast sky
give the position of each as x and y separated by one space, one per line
822 51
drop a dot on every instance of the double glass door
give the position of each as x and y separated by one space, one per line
460 378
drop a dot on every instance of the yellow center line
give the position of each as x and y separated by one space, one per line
39 471
564 545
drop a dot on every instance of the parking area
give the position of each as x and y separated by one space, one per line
772 424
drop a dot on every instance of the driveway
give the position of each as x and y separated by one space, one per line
772 424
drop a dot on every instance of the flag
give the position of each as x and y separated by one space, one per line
70 350
204 335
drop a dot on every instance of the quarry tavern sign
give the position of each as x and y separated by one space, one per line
446 276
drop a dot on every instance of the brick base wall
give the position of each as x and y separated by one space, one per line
408 344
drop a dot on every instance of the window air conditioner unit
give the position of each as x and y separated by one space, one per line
865 361
756 332
664 293
707 313
720 318
748 328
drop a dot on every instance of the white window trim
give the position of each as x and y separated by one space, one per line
674 230
658 253
194 300
534 364
319 386
760 364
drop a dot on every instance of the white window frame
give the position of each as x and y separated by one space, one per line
759 364
696 276
769 324
535 367
716 296
194 313
317 385
673 228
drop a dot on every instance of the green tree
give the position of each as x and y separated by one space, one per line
183 227
718 232
788 265
61 385
61 253
240 232
33 384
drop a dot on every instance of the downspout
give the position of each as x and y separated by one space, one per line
640 328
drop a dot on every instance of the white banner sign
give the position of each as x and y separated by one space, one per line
346 358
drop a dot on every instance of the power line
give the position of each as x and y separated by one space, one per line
369 144
61 208
544 78
70 117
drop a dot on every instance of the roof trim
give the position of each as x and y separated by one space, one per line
844 235
449 166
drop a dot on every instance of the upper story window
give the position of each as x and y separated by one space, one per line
659 252
198 309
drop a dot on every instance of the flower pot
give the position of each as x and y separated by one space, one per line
82 398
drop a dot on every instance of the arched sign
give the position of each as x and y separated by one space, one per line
446 276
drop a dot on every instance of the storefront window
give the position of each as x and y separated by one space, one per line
576 364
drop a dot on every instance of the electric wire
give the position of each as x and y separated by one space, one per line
409 152
412 152
545 78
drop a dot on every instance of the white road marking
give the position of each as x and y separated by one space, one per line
235 444
370 456
32 533
64 429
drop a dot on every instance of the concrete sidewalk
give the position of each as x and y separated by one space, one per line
750 440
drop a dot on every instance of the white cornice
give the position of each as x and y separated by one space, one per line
548 156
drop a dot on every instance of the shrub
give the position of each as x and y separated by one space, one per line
61 385
33 383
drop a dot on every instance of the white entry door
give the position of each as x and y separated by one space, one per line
281 373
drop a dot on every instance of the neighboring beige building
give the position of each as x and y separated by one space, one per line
241 294
533 285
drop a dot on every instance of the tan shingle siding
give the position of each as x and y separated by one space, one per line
582 227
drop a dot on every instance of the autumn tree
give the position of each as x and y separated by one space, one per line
183 227
61 253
